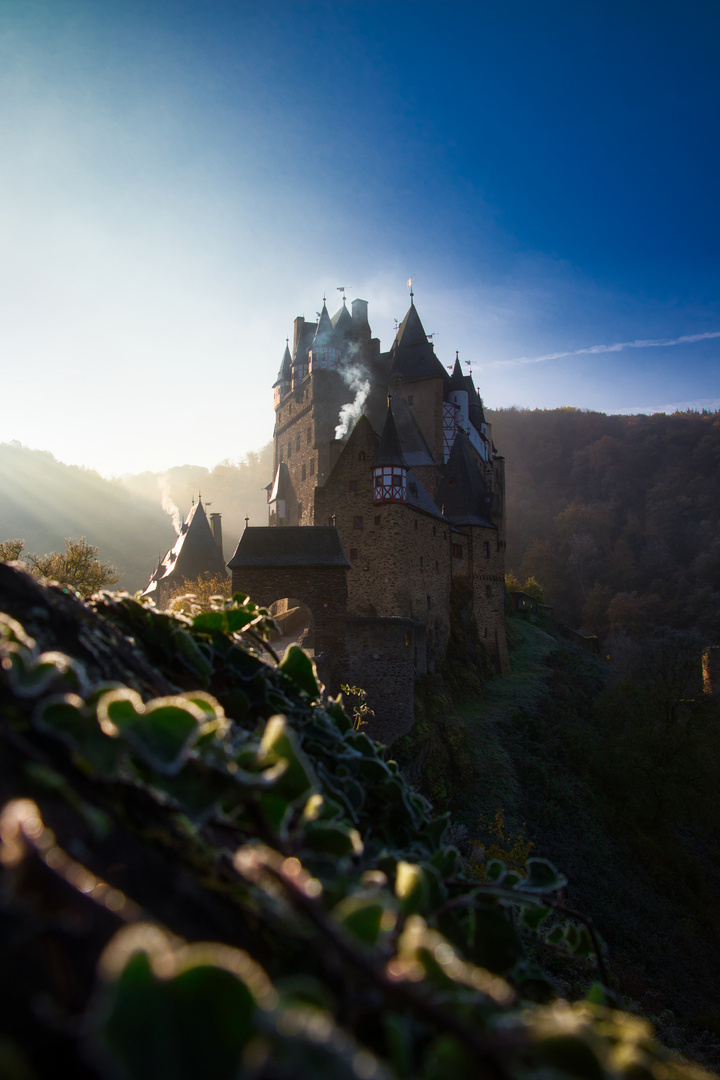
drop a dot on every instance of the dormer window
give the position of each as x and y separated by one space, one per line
390 484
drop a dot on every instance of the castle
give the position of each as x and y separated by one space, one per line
386 488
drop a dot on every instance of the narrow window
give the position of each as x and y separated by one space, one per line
309 436
437 566
357 523
303 472
416 523
361 455
297 442
378 519
434 530
312 466
289 450
421 562
353 554
429 601
486 549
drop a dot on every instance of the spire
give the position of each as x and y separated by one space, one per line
389 452
411 330
285 372
457 379
324 328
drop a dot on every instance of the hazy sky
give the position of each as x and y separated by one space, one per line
179 180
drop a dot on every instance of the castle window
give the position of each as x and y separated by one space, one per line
357 523
312 466
309 436
352 485
299 513
488 590
421 562
353 554
289 450
486 549
303 472
429 601
437 566
434 531
456 550
390 484
378 519
297 443
416 524
361 455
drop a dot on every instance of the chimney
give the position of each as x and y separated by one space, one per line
216 526
361 326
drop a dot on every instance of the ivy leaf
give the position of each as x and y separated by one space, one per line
161 732
299 667
541 877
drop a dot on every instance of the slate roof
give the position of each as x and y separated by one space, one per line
324 328
389 452
285 372
342 321
412 444
412 354
291 545
194 553
462 493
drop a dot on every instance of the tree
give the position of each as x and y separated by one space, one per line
78 566
10 550
198 595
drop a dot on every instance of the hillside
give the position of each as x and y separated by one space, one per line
208 871
618 517
44 501
611 771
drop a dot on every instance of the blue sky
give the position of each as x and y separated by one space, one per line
179 180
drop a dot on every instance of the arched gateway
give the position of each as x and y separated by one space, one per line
306 562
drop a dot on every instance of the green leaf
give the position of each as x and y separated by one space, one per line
161 732
363 917
495 871
541 877
279 741
333 838
299 667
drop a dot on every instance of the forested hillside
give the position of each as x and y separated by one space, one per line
617 517
43 501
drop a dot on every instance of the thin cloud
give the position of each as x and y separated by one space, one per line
642 343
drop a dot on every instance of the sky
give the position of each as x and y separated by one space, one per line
179 180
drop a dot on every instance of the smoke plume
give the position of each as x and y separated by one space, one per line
356 378
168 505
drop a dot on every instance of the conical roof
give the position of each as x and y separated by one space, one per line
457 379
412 353
324 327
389 452
285 372
342 321
194 553
411 330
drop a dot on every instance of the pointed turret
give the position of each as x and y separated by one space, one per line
342 322
412 356
324 329
389 470
457 379
195 554
283 383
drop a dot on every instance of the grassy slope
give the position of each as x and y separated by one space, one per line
533 744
